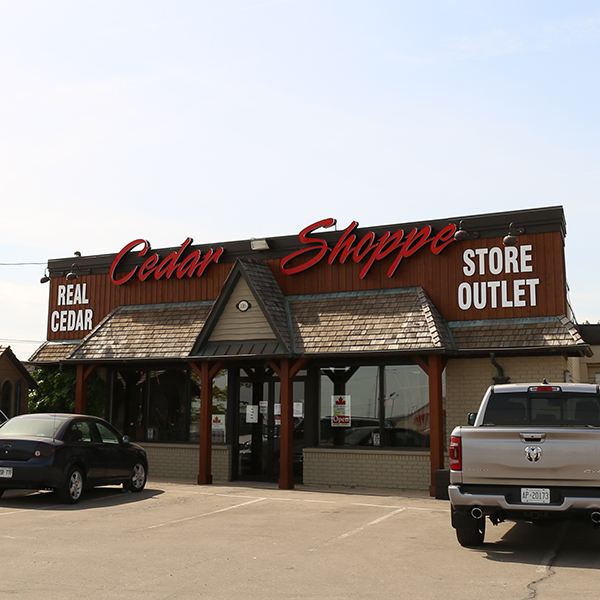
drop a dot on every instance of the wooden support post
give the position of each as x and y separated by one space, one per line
436 416
82 376
207 373
287 370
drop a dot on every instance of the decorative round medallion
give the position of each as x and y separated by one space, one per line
243 305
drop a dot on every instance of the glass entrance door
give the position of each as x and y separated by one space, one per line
259 430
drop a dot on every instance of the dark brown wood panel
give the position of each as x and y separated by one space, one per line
439 275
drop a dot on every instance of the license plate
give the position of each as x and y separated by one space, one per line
6 472
535 495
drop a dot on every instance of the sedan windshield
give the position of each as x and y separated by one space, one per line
45 426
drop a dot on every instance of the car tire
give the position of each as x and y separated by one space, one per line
137 481
472 537
71 490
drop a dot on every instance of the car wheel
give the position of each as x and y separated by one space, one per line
72 489
137 482
472 537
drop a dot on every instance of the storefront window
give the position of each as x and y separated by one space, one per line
375 406
164 405
406 406
167 406
349 406
219 420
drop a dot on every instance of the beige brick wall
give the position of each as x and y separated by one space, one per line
180 461
367 468
468 379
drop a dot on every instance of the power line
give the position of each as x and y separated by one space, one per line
22 341
20 264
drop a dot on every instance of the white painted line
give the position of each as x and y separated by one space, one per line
361 528
444 510
214 512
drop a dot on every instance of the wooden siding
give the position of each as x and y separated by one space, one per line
439 275
236 325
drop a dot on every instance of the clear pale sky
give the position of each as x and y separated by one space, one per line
233 119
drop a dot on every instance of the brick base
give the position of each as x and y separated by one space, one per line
383 469
180 461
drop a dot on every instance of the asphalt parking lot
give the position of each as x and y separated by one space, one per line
178 540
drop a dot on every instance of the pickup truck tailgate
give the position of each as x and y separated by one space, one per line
540 456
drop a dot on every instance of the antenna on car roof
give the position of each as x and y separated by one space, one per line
545 381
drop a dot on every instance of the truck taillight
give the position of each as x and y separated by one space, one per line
455 453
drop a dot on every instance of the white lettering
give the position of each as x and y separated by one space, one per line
495 262
532 283
469 268
61 295
479 295
63 320
493 287
89 314
498 259
506 303
84 298
481 252
511 264
54 320
70 294
526 258
518 292
464 296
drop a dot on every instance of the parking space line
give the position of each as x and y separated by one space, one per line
359 529
213 512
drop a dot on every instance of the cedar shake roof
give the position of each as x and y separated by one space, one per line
52 352
396 320
152 331
548 333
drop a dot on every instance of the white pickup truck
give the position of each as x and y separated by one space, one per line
532 452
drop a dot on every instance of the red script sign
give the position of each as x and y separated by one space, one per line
369 249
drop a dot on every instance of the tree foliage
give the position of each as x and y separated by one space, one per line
56 391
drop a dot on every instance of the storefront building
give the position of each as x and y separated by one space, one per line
342 356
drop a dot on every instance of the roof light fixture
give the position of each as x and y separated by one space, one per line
259 244
510 239
463 234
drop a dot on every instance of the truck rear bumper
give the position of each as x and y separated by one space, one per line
565 501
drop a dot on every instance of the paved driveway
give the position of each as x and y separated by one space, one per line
183 541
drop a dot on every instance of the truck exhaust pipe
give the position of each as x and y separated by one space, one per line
476 513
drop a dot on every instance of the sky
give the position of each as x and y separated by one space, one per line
229 119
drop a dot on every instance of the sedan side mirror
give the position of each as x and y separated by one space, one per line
126 439
471 418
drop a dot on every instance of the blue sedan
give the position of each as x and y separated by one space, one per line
67 453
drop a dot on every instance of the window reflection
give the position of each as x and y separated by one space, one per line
385 406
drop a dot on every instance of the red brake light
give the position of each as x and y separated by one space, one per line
544 388
455 452
43 450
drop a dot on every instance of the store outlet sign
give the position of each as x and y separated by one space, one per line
76 317
497 291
